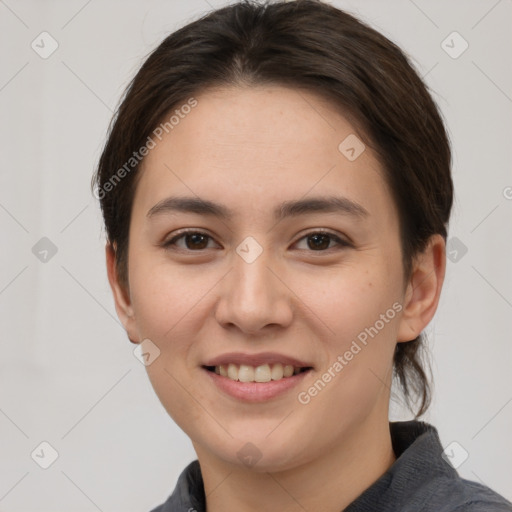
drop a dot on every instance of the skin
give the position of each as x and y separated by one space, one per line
250 148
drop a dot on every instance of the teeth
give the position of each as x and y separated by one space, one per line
277 372
263 373
246 373
288 370
233 371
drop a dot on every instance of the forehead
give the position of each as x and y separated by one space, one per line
258 124
258 146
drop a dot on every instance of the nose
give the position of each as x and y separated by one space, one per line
254 297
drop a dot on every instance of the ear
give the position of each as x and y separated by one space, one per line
121 295
423 289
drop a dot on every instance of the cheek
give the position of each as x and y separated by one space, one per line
169 309
364 317
351 301
163 295
362 309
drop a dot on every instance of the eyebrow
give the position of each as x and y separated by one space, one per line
329 204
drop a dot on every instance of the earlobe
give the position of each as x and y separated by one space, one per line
423 289
121 295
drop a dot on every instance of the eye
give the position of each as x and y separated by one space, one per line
195 241
321 240
190 240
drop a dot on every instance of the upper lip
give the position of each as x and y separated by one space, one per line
256 359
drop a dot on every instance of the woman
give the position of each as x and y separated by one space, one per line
276 222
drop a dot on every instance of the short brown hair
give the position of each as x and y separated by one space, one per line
302 44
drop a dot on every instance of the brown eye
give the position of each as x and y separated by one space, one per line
196 241
189 240
319 241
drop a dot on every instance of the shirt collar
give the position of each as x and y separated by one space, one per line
418 458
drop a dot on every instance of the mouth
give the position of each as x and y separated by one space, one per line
262 373
256 378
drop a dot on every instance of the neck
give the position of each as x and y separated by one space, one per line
329 482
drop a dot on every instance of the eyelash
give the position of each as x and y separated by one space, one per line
339 241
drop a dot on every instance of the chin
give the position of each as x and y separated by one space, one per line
258 452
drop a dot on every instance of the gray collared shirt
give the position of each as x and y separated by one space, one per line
420 480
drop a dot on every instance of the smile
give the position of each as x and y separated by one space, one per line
261 373
255 377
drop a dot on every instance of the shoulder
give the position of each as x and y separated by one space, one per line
188 495
450 493
422 480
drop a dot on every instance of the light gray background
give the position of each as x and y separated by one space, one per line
68 375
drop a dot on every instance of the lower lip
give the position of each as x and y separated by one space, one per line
256 391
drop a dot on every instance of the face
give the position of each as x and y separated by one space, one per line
284 259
